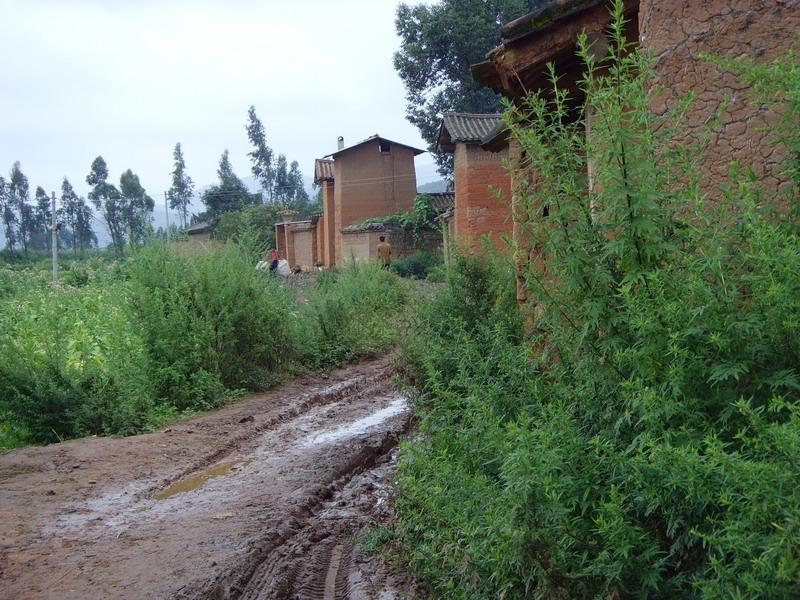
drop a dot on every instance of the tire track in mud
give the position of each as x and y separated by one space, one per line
312 467
294 560
354 387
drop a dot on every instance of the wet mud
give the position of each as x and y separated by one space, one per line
261 499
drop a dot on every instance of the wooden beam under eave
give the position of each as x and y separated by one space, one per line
520 65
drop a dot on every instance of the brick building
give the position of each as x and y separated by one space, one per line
676 33
482 183
373 178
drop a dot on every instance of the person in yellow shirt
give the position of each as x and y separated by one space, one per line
384 252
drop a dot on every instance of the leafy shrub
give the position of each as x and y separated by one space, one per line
211 323
72 363
353 312
417 265
644 440
252 222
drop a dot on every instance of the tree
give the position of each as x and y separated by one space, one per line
18 190
182 190
438 44
42 221
83 233
77 218
230 194
137 207
106 199
261 155
68 212
8 215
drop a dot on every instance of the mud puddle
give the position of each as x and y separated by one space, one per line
197 481
200 509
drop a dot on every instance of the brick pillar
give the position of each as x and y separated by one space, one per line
328 230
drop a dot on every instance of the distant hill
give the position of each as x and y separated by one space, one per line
432 187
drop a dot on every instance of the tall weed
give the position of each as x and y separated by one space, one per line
644 441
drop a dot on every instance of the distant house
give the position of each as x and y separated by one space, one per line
482 183
296 241
373 178
200 232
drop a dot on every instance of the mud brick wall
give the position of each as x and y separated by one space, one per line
676 32
370 183
303 243
404 244
361 246
478 211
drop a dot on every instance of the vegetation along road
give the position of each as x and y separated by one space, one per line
261 499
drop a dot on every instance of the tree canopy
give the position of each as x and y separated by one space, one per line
439 42
229 194
261 154
180 194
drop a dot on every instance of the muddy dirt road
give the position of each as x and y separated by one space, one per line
260 499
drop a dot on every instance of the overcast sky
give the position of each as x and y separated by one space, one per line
128 79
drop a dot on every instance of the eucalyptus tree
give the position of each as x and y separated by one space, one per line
180 194
106 198
9 216
137 207
19 190
261 157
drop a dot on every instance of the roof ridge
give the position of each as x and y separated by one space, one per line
467 114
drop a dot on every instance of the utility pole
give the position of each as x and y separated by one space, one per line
166 212
55 235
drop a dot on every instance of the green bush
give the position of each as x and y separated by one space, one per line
211 323
417 265
353 312
124 346
644 440
72 363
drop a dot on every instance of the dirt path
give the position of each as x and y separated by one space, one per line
260 499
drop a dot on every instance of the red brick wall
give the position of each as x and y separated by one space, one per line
370 183
478 211
328 225
676 32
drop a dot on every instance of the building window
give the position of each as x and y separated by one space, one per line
385 145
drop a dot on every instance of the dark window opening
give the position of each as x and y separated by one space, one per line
385 145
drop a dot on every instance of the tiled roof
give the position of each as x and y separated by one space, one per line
464 127
323 170
200 227
375 138
358 227
443 201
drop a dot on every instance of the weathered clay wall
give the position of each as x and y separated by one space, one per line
478 211
319 242
303 248
280 240
370 183
678 31
362 245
